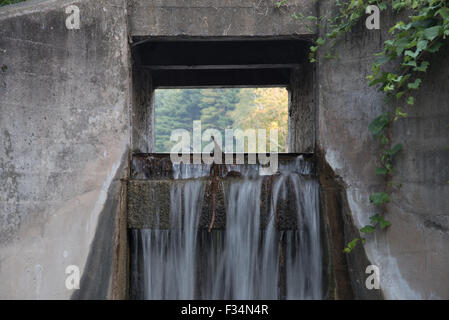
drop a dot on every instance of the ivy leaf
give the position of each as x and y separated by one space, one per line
435 47
399 94
375 219
422 44
414 85
377 125
399 113
379 198
394 150
432 32
411 53
280 4
411 101
444 13
381 60
401 44
367 229
422 67
351 245
320 41
411 63
381 171
378 219
389 87
384 224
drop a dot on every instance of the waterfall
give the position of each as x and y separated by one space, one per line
250 258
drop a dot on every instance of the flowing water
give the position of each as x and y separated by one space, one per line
244 261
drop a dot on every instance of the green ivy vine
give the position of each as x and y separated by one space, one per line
7 2
411 44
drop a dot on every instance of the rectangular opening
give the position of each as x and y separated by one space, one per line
228 214
222 83
240 119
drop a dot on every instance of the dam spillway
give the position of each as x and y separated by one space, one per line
264 242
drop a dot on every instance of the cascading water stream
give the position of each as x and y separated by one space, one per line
243 261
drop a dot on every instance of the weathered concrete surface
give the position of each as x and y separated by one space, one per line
142 115
413 254
158 166
104 274
302 110
217 18
64 97
346 272
149 203
64 119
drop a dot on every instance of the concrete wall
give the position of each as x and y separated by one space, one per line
217 18
65 115
413 254
142 112
302 110
64 99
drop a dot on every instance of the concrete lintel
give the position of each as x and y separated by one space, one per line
217 18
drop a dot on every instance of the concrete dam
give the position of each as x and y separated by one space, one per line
265 242
93 207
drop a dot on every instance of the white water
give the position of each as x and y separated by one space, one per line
241 262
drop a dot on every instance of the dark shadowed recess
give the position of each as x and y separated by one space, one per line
220 63
97 274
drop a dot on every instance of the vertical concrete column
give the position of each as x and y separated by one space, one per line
301 113
142 117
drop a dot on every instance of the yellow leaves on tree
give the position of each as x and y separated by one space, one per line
264 108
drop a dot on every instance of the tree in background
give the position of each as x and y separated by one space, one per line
217 107
175 109
264 108
248 108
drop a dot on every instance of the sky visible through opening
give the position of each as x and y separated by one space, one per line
220 109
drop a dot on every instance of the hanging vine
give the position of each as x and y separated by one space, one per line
411 44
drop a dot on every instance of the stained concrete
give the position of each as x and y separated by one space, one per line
217 18
149 203
413 253
64 99
302 109
66 117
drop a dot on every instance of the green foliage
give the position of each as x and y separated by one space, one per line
178 108
411 43
367 229
379 198
376 220
351 245
280 4
217 106
219 109
379 220
6 2
377 126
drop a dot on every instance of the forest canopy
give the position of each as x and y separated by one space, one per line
230 108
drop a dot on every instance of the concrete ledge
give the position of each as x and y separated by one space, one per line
217 18
149 204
